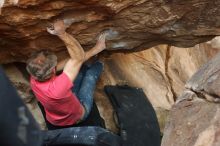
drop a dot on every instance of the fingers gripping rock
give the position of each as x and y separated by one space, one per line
1 5
109 34
51 31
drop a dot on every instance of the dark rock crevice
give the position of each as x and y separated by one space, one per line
166 65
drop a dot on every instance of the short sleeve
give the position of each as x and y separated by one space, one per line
61 86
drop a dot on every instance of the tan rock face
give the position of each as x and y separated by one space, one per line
134 24
194 118
193 123
161 71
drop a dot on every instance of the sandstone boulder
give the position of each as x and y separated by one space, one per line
194 118
133 24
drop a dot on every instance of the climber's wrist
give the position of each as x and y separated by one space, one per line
62 34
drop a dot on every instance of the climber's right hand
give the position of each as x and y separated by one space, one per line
57 28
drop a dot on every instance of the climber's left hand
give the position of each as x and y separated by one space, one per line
57 28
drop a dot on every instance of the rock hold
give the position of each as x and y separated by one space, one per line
135 24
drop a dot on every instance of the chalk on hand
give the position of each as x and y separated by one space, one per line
1 5
110 33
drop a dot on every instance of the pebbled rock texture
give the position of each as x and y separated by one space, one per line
133 24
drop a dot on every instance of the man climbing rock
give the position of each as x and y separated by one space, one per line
67 98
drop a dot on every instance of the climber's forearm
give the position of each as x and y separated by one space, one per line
99 47
89 54
73 46
92 52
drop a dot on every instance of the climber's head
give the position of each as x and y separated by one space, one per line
41 65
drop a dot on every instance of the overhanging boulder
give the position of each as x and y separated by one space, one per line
134 24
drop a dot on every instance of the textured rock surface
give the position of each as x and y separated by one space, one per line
135 24
161 71
194 121
162 68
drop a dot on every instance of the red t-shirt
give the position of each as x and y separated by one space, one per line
61 105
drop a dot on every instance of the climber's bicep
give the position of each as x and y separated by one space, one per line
72 68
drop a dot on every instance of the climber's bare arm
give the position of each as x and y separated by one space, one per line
72 43
74 48
99 47
72 68
61 64
77 54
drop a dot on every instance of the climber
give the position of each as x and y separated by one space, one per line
67 98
